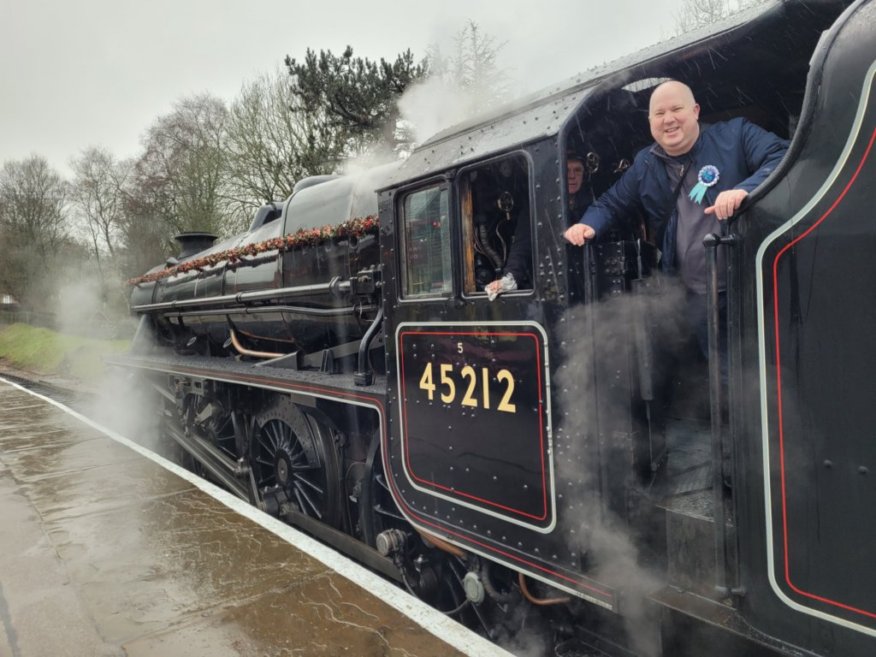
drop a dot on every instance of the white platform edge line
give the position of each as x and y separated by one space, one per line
433 621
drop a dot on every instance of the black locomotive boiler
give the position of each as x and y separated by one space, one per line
559 459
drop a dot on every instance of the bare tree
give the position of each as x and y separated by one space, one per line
181 174
473 67
271 143
146 236
32 201
33 226
97 193
459 85
698 13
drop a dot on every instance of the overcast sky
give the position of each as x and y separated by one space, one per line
80 73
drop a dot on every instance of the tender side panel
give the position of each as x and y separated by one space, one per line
818 283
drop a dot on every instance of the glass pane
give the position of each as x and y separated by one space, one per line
496 223
426 270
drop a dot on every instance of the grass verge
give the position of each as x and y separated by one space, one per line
49 352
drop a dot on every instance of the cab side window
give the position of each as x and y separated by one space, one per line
496 222
426 268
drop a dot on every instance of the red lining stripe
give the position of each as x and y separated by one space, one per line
780 410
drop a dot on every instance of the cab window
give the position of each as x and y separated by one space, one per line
426 268
496 223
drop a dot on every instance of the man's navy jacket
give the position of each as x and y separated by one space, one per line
743 153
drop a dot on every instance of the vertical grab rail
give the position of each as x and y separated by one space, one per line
716 397
364 374
591 292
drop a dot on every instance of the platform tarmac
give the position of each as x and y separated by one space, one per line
107 550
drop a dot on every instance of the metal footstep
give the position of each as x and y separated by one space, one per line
695 478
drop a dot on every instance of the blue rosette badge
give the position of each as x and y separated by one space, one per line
707 177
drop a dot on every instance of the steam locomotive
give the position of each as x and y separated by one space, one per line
558 459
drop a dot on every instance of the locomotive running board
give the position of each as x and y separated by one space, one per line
311 383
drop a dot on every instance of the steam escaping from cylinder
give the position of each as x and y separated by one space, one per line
117 399
82 308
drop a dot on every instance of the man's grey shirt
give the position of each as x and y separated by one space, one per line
693 226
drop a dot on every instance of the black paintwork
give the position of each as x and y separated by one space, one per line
605 439
596 471
811 241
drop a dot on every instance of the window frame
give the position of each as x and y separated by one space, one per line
465 230
441 185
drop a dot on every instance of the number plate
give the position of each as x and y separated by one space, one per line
474 417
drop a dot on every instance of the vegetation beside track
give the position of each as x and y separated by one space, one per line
51 353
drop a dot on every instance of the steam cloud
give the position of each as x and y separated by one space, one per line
121 402
608 540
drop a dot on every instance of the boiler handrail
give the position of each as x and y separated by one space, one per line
335 286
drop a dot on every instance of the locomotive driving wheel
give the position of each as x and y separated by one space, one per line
208 417
295 462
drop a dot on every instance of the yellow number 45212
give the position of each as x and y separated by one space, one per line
475 396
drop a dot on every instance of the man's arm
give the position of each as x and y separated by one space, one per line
727 203
763 151
620 199
519 261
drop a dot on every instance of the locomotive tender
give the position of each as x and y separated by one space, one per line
558 459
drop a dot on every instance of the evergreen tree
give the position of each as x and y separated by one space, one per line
358 96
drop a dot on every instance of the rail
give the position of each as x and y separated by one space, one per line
718 379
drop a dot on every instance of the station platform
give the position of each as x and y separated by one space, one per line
107 549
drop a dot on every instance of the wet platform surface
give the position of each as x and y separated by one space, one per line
106 552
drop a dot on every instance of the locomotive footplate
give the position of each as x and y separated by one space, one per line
307 383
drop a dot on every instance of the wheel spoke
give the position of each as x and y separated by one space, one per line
267 438
304 502
276 437
309 483
267 464
226 439
296 450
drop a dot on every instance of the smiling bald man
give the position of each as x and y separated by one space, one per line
693 176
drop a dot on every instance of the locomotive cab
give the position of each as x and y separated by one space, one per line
569 429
